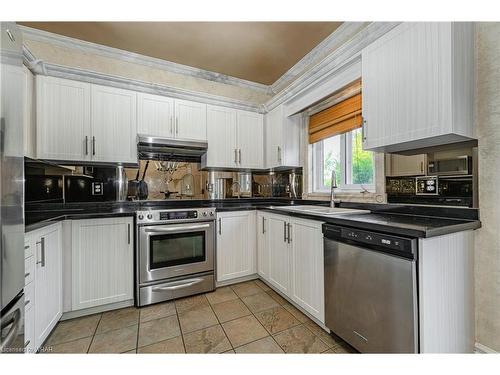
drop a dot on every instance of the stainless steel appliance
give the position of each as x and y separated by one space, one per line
121 184
371 289
174 254
11 191
155 148
461 165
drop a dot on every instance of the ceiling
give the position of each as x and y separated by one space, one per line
255 51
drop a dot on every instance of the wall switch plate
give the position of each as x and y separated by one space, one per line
97 188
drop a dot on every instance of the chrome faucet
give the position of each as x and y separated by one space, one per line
332 191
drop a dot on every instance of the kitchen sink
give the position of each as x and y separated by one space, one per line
321 210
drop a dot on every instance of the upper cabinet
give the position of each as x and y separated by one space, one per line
29 114
160 116
78 121
418 82
282 136
63 119
190 120
403 165
235 139
155 115
114 125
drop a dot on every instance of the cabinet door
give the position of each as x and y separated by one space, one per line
236 248
221 137
273 132
63 119
29 114
29 330
114 125
279 254
250 139
102 262
48 281
307 266
403 165
190 120
155 115
262 246
406 84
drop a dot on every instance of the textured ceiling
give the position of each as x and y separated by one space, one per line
255 51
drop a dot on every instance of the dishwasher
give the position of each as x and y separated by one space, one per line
371 297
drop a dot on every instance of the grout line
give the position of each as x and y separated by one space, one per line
180 328
93 336
220 324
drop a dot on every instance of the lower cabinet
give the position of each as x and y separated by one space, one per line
290 258
102 258
44 293
236 244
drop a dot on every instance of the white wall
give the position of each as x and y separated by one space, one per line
487 239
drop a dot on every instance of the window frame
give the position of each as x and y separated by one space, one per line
346 164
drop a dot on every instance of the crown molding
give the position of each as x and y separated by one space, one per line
152 62
344 54
341 35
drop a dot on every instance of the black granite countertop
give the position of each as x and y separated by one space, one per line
411 221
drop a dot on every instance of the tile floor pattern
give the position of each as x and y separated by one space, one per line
243 318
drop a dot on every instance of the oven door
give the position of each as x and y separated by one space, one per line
172 250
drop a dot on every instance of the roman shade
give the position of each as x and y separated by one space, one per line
337 119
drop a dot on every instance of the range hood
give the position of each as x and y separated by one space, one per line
156 148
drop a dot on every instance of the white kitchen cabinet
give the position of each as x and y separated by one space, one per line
236 245
114 125
418 85
235 139
306 241
29 330
282 137
29 114
190 120
102 261
262 245
250 139
405 165
63 128
290 258
155 115
279 254
47 281
221 138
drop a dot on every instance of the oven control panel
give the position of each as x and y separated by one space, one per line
176 215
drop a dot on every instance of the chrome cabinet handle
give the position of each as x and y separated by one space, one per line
279 154
284 232
86 145
220 226
263 225
235 156
93 145
171 125
363 135
185 284
128 234
289 232
177 125
42 244
239 155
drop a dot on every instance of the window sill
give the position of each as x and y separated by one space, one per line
348 196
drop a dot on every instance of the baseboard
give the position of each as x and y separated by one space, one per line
97 309
236 281
483 349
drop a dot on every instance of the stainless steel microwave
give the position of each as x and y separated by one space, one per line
461 165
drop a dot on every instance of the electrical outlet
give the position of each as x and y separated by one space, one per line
97 188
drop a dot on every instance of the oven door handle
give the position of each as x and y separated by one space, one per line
183 284
176 228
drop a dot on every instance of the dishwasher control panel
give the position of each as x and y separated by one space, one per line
375 240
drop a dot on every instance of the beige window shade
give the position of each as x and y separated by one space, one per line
339 118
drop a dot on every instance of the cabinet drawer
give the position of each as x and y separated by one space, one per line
29 296
29 270
28 248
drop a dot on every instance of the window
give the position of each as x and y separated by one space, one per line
343 153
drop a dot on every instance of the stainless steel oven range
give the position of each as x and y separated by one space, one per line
174 254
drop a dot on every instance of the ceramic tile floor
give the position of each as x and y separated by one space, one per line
243 318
